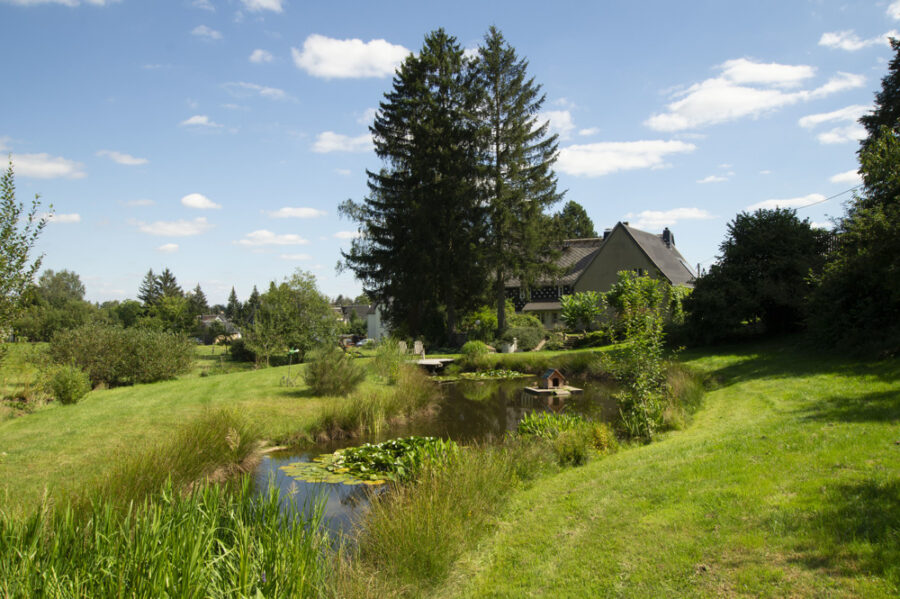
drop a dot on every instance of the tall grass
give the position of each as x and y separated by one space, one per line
210 543
371 411
412 536
217 445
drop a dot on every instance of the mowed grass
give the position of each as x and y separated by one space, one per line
786 483
65 446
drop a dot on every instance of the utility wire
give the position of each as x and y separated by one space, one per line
801 208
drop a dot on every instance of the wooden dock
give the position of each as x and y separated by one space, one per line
562 391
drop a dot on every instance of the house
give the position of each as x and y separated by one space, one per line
593 265
376 325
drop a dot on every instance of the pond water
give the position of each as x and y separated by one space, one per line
468 412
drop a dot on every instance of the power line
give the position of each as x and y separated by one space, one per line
854 188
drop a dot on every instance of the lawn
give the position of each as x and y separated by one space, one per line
787 483
63 446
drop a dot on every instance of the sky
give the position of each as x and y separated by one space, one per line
217 138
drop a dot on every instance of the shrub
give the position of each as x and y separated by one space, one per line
388 360
528 337
571 447
524 320
68 384
331 371
473 349
240 352
603 438
593 339
547 425
117 356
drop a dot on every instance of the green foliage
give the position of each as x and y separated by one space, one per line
593 339
858 297
581 310
528 337
212 542
149 292
573 222
481 324
293 314
19 232
116 356
524 320
639 365
572 447
332 371
388 360
68 384
473 349
518 168
886 112
397 459
548 425
425 196
761 281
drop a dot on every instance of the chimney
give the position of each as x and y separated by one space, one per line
606 233
668 238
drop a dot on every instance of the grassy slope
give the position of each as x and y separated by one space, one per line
787 483
63 445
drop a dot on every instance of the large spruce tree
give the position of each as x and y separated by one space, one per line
886 112
149 291
521 181
423 222
573 222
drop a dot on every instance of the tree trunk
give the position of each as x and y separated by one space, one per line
501 304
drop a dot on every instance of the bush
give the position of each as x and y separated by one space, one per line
331 371
528 337
68 384
473 349
388 360
117 356
603 438
524 320
571 447
594 339
240 352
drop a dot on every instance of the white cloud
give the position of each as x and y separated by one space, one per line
851 177
712 179
840 135
744 88
258 5
589 131
199 201
748 72
893 10
344 172
204 32
260 56
368 116
765 172
561 122
333 58
848 113
296 212
45 166
818 225
199 120
204 4
120 158
657 219
296 257
598 159
242 89
139 203
788 203
330 141
168 248
62 218
849 41
264 237
177 228
347 235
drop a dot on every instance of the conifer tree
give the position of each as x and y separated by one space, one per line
233 307
886 112
149 291
197 301
168 285
573 222
423 220
251 306
521 153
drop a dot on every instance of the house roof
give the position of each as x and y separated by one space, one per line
539 306
577 255
666 257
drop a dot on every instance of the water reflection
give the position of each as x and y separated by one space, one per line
469 411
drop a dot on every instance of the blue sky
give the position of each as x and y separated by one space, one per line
217 137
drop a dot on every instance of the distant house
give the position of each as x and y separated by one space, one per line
376 325
231 330
593 265
361 311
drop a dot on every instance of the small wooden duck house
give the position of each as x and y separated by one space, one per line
553 379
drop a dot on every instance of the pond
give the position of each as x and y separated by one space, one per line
468 412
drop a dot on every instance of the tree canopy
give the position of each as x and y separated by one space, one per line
573 222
